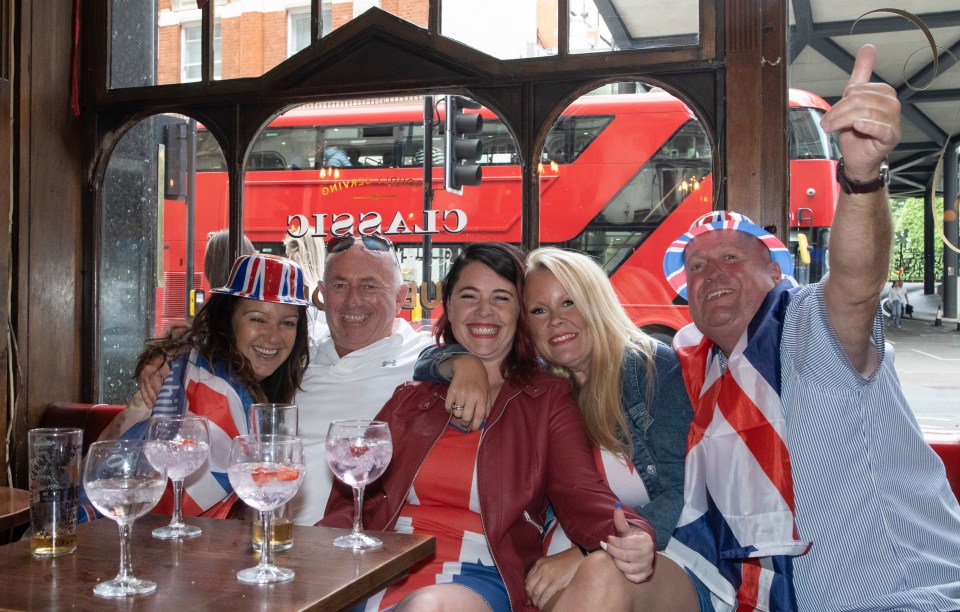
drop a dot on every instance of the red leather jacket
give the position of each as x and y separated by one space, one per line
533 452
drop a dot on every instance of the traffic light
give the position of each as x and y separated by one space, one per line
462 145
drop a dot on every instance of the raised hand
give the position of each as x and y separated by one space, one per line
867 119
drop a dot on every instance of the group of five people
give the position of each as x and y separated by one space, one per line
566 461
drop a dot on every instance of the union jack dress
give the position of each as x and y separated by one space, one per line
443 502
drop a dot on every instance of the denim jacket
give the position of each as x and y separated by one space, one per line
659 435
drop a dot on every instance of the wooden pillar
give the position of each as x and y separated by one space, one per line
755 140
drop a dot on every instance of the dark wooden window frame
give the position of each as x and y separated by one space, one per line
529 94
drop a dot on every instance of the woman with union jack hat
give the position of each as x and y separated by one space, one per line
247 345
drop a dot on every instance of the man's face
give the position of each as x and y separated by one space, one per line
729 273
361 296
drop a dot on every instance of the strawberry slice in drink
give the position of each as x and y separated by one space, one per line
288 473
359 450
263 475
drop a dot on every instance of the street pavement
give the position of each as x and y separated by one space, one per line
927 361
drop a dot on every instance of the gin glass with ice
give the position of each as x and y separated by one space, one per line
124 484
184 446
266 471
358 453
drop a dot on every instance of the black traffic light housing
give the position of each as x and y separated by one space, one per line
462 145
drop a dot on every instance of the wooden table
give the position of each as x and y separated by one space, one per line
14 507
200 574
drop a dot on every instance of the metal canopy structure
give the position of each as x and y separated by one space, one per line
824 36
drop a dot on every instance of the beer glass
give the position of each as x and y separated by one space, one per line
282 420
54 454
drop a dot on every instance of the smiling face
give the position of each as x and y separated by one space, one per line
483 310
560 331
729 273
362 295
265 334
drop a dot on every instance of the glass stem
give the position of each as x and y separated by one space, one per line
126 564
358 509
266 534
177 503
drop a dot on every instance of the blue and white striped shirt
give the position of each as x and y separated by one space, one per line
870 493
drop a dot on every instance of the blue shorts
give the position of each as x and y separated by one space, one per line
484 580
703 593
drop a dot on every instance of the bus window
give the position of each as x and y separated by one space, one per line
806 139
209 154
670 176
571 136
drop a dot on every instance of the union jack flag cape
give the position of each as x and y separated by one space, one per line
737 531
194 387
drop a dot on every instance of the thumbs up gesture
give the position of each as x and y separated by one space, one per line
867 119
633 550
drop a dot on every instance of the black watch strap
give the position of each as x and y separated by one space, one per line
849 185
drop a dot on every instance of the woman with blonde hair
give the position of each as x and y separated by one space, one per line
629 389
310 252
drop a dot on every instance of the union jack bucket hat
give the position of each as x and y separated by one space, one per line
267 278
720 220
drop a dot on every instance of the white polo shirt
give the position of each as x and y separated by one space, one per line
355 386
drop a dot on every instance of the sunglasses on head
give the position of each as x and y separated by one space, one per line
374 242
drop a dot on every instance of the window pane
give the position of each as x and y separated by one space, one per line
133 44
610 25
151 238
530 31
621 176
358 165
298 33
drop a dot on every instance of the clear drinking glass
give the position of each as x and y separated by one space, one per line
281 420
266 471
185 444
358 453
123 484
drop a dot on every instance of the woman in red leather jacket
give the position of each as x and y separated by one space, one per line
483 494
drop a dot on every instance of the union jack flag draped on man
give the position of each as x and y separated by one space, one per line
737 531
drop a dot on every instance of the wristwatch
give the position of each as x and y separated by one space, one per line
849 185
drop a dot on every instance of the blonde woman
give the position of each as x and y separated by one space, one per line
310 252
628 386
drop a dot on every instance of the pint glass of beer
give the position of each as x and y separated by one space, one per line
54 454
281 420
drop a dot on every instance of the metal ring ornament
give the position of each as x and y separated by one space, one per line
456 408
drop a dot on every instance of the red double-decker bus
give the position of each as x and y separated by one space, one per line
620 177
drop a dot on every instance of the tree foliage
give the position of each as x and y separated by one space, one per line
908 249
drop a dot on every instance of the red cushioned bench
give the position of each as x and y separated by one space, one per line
91 418
947 445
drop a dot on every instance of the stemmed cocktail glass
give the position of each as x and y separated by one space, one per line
266 471
123 484
358 453
185 444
